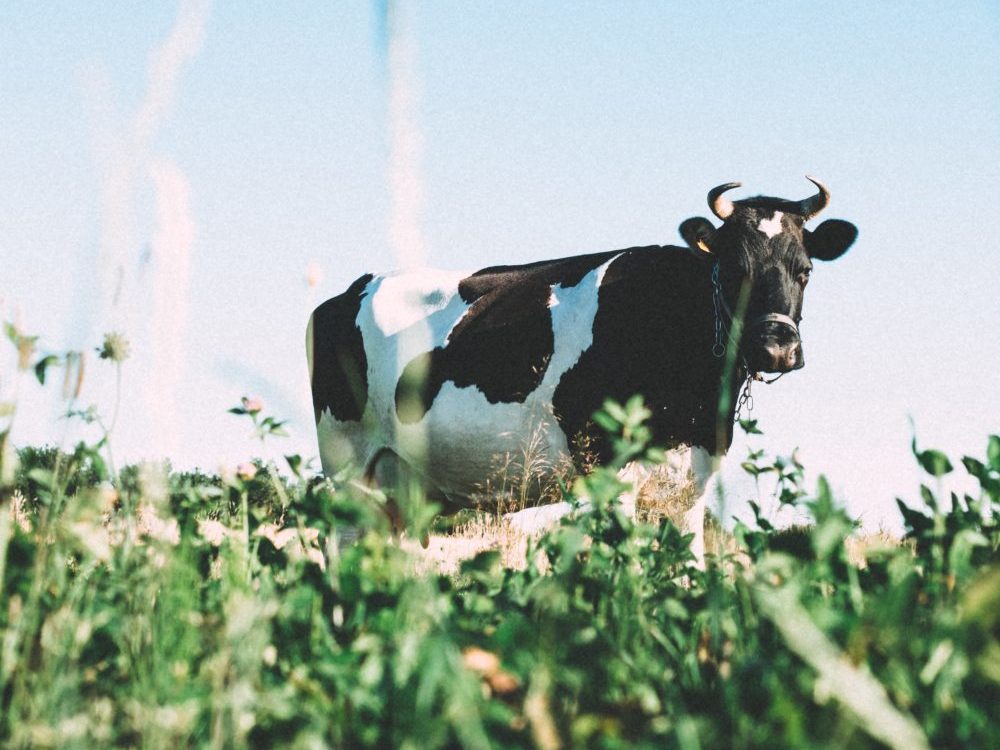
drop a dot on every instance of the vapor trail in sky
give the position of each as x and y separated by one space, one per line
172 244
144 262
406 143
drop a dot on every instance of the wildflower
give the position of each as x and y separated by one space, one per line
246 471
252 405
479 660
94 538
213 532
314 274
156 528
115 347
107 498
487 666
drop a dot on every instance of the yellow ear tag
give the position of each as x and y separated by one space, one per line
702 246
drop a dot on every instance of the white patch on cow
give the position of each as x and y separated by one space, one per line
604 268
402 299
771 227
459 440
553 299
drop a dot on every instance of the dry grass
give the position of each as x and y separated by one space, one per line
484 531
663 496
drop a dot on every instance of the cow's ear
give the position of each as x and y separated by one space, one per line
830 239
698 233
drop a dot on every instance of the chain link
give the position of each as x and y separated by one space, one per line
720 347
745 399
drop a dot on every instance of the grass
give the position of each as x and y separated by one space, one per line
144 607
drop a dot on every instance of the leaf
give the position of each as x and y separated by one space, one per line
975 467
915 521
616 411
993 452
43 364
605 421
933 462
928 497
295 464
750 427
42 477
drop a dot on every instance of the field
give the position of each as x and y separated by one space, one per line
144 607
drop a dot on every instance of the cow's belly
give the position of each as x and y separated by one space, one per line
467 448
483 452
464 445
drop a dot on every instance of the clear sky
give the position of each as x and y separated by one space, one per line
183 171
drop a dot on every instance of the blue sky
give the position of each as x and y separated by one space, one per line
211 157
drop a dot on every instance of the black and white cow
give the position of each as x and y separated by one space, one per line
442 374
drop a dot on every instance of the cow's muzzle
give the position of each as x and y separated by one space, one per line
775 345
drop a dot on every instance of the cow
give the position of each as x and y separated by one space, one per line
439 375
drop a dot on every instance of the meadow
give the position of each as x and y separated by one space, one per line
147 607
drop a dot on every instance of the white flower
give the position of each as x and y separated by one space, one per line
246 471
213 532
155 527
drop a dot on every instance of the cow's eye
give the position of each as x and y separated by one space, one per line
803 279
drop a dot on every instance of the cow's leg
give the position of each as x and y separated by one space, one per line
636 474
391 474
702 472
381 474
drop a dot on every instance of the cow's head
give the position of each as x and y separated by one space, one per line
764 249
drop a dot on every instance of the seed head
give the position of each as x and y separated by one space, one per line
115 347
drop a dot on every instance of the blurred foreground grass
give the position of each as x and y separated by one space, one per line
151 608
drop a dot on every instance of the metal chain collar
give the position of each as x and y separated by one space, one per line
721 309
723 330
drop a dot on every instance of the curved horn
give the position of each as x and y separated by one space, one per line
812 206
722 207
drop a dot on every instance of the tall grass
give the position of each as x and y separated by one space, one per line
146 607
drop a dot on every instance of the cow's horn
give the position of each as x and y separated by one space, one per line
812 206
722 207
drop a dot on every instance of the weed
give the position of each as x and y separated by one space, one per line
149 607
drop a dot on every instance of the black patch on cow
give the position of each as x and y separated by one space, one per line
653 335
503 344
340 366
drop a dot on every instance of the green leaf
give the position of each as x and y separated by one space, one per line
43 364
42 477
933 462
750 427
928 497
916 522
295 464
993 452
975 467
605 421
